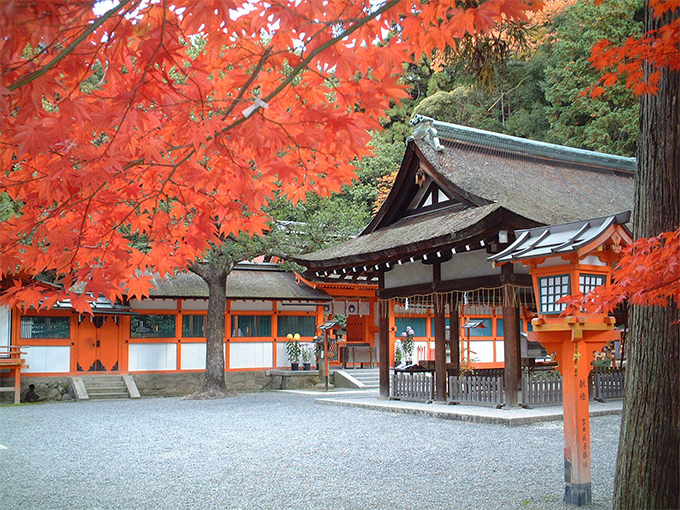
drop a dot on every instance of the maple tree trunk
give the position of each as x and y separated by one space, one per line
647 470
215 274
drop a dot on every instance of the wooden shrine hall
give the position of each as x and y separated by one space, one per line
457 199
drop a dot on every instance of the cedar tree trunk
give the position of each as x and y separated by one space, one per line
215 273
647 473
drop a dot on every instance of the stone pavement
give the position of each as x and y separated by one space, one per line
478 414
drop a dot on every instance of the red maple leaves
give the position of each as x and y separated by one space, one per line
135 138
648 275
640 60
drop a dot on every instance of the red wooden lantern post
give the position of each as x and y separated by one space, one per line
563 260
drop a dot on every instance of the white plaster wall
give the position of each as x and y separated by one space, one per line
482 351
281 356
47 358
295 306
161 356
553 261
193 356
250 355
500 351
468 265
153 304
592 260
251 306
5 326
409 273
195 304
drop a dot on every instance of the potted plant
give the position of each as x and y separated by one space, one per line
293 350
307 354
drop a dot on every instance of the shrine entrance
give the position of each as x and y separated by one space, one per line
97 344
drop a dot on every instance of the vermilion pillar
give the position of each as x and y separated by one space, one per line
573 340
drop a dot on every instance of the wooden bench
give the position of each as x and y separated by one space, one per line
10 359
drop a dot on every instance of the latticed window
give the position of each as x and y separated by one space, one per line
305 325
588 282
193 326
251 325
45 327
551 289
152 326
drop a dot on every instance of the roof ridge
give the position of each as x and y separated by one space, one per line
497 141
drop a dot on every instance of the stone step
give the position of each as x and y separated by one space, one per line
106 387
108 396
368 378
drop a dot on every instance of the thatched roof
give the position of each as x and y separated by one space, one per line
256 281
497 182
546 191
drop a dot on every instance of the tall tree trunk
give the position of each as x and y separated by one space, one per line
215 273
647 469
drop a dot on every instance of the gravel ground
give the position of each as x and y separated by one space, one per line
279 451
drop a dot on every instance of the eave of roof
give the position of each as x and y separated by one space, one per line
556 240
409 237
243 283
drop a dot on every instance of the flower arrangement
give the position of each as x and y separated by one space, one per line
407 345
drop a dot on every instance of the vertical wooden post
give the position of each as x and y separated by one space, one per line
454 331
440 346
511 343
383 339
384 345
439 336
573 344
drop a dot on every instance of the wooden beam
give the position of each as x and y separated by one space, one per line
462 284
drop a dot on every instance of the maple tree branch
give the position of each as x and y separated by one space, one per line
69 49
248 83
303 64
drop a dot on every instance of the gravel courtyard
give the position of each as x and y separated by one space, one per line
280 451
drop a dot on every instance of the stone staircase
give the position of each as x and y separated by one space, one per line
104 387
360 378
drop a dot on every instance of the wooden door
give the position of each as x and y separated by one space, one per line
356 328
98 345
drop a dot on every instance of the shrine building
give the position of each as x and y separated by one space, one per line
459 196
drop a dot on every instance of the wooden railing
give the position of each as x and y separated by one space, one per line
10 359
477 389
541 387
607 383
414 384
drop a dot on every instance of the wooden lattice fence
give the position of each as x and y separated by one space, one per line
607 383
477 389
541 387
417 386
